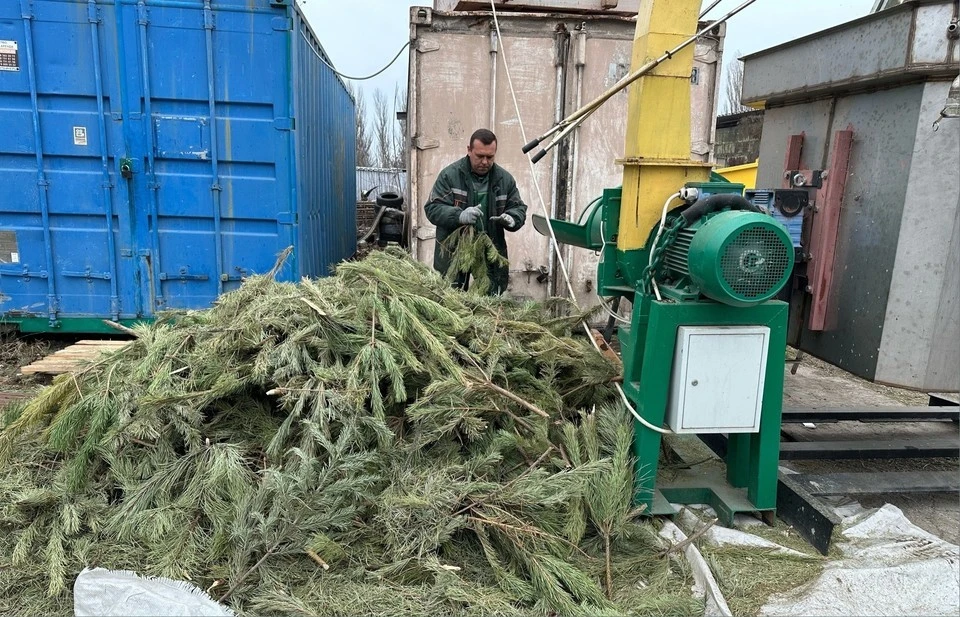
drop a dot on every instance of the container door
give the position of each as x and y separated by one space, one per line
447 103
214 167
61 235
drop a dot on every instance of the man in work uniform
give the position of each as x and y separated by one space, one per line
476 191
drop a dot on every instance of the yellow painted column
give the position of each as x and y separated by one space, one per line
657 159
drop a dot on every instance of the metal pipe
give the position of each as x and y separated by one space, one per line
704 12
94 19
293 60
151 176
42 183
215 188
567 126
561 50
494 51
580 64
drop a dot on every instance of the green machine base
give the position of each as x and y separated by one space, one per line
709 488
648 345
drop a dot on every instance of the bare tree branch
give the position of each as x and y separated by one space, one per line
400 143
383 129
364 141
733 88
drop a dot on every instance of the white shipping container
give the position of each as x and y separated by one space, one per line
458 83
613 7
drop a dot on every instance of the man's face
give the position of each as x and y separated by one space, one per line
481 156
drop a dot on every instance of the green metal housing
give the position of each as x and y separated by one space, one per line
721 271
734 257
647 346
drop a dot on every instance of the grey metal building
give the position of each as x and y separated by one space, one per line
892 309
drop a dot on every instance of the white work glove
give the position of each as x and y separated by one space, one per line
470 215
504 220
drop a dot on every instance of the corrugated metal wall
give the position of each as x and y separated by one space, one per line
380 179
326 158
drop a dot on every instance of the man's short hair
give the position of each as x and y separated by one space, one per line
484 136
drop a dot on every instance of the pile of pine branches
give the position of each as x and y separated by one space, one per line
369 443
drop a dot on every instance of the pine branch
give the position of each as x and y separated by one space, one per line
510 395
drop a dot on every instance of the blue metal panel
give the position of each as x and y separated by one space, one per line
794 224
154 152
326 155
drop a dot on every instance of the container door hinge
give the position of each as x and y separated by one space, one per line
282 24
286 218
285 124
422 143
25 273
241 274
423 16
427 46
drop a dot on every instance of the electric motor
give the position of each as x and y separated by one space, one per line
734 257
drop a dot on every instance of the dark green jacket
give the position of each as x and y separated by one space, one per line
454 191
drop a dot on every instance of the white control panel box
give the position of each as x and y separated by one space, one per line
717 380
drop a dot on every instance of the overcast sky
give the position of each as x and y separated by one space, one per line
362 35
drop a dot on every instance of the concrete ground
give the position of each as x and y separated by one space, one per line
818 384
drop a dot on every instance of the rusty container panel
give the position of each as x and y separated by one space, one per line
458 83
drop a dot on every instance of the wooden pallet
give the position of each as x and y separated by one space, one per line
71 358
9 397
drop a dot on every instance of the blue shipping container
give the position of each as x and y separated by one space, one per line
155 152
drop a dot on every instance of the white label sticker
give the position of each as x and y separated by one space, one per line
15 258
79 135
9 56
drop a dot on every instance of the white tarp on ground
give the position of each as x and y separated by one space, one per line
112 593
889 567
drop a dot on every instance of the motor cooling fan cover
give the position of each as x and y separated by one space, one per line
741 258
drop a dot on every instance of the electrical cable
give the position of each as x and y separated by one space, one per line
351 78
553 236
610 312
656 239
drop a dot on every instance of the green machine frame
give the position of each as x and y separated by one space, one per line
648 346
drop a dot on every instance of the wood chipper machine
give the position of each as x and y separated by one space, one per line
703 349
